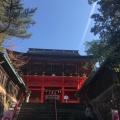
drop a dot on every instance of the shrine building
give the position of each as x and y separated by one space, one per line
49 73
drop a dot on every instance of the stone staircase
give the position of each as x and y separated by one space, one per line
45 111
71 111
37 111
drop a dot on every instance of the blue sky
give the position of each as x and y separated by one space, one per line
60 24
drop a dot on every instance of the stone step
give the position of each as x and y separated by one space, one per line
36 113
36 118
39 115
27 105
45 111
76 106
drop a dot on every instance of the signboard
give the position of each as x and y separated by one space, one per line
115 115
7 115
66 97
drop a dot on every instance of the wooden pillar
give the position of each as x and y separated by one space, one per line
42 94
78 82
62 94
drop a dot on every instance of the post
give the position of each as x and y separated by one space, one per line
55 105
63 94
42 94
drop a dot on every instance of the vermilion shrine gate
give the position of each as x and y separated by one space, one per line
61 72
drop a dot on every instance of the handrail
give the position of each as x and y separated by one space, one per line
55 106
16 106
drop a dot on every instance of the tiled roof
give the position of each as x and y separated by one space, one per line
9 69
53 52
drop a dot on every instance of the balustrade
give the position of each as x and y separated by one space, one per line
66 69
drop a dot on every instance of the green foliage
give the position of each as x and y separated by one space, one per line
99 49
15 19
93 48
3 36
107 22
107 26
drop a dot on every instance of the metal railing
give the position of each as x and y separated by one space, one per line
17 105
55 106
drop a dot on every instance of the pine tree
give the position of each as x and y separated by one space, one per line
15 19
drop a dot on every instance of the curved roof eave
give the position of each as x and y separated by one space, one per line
10 70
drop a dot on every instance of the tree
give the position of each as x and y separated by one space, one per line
17 59
95 47
15 19
107 21
3 36
107 26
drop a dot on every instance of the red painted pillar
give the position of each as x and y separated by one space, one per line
62 94
78 86
42 94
